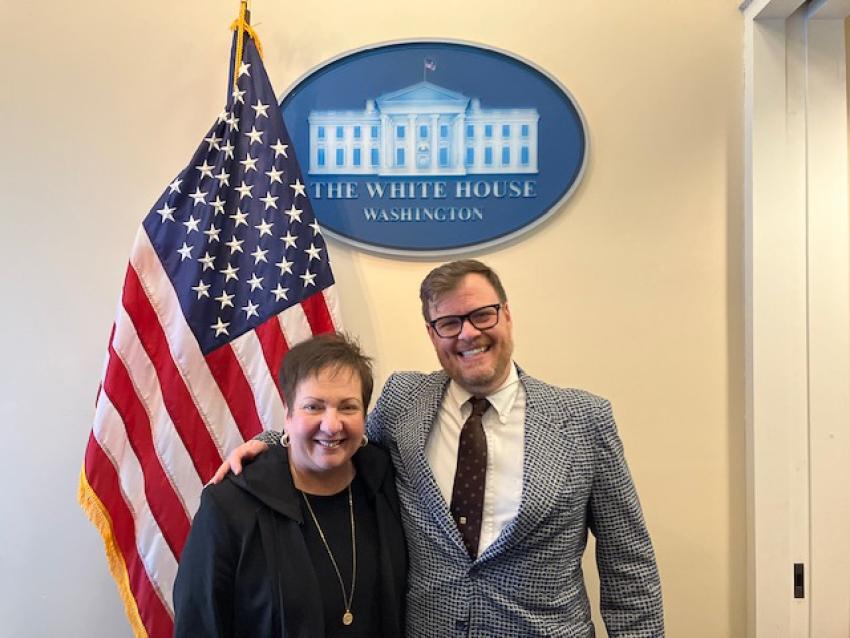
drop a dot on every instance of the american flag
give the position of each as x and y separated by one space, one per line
228 269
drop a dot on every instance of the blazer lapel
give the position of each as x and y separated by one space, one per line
422 410
547 463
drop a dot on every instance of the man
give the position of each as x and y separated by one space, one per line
497 495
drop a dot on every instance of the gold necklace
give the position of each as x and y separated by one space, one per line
347 617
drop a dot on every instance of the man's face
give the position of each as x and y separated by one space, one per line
478 360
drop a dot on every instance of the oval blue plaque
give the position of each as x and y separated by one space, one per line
431 147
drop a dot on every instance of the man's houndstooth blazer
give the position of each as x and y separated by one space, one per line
529 581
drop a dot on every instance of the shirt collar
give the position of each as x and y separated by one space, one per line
502 399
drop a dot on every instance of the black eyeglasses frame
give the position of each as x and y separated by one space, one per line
466 317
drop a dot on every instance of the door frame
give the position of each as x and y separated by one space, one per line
797 282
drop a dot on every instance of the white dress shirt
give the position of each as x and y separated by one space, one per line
504 425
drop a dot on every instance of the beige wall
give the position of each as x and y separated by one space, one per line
633 290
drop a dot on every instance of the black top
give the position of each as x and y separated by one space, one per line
334 517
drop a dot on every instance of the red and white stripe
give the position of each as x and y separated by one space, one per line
167 415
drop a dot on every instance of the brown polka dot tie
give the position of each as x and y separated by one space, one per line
468 490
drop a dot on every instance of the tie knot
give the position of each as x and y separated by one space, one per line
479 405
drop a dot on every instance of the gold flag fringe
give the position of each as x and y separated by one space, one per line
97 514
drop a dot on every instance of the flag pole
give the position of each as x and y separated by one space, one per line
244 20
242 25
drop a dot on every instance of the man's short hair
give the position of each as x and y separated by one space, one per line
443 279
332 351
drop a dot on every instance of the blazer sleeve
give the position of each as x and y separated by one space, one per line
269 437
203 589
381 413
630 595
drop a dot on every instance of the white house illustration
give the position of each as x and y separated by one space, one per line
423 129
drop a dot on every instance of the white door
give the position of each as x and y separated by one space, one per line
798 319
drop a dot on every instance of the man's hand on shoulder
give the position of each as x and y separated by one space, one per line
245 452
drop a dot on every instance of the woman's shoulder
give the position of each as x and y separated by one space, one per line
373 452
374 467
263 482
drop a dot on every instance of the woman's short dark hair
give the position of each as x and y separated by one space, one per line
446 278
334 351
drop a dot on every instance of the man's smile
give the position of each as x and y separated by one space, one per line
473 351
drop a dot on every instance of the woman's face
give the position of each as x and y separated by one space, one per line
326 423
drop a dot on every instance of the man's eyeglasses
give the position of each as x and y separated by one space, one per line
482 318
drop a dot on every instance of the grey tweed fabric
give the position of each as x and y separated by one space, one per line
529 582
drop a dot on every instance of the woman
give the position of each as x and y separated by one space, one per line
307 540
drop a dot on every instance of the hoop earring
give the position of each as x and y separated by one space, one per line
364 441
284 439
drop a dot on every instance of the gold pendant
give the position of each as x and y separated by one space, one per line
347 618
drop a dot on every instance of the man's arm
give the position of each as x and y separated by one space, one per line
269 437
630 597
384 409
